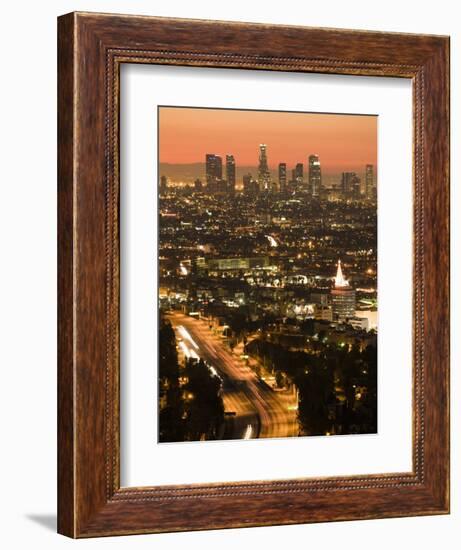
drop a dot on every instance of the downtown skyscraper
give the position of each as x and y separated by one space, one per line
299 174
282 177
370 187
213 169
264 175
315 175
350 184
230 173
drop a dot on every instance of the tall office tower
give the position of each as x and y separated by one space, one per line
282 177
315 175
345 183
356 188
299 174
250 186
213 168
198 185
370 187
342 297
350 185
247 183
230 173
163 184
218 167
264 175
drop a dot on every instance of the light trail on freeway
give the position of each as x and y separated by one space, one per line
259 410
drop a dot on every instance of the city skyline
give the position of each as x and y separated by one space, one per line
220 178
344 142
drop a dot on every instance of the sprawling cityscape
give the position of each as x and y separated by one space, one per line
267 293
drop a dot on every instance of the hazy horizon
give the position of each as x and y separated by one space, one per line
188 172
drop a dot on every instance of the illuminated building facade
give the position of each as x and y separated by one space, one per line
282 177
350 184
323 313
315 176
229 264
213 169
370 187
342 297
299 174
264 176
230 173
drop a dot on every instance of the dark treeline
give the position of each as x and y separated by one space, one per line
192 405
337 385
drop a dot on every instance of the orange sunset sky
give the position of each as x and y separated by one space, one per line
343 142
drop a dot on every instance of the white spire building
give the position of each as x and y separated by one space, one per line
342 297
340 281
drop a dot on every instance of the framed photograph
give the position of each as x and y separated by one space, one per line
253 275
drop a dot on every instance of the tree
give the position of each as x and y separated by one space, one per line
170 416
168 357
316 395
203 403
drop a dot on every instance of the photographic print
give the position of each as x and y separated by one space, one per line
267 262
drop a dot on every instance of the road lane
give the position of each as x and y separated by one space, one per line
260 411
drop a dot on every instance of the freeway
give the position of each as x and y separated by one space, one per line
260 411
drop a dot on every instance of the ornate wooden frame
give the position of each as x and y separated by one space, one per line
91 49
